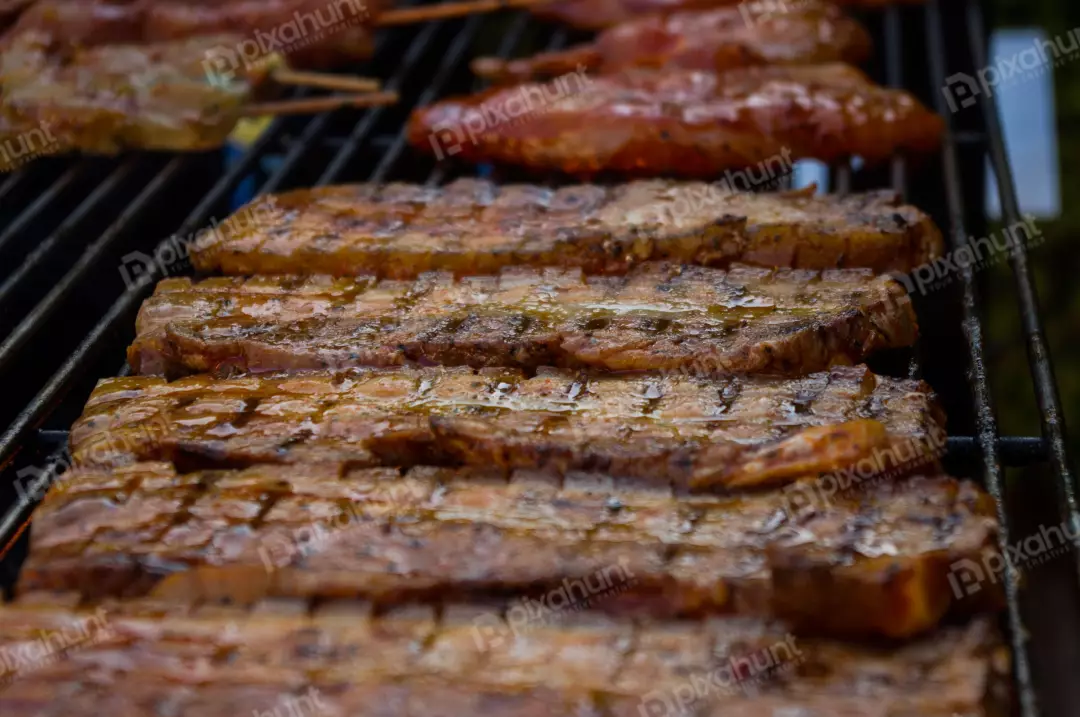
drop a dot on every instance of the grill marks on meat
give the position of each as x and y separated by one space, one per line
105 99
871 562
683 123
719 39
659 316
474 227
711 433
412 664
326 32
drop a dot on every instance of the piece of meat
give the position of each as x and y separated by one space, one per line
339 658
719 39
872 560
308 32
711 433
600 14
474 226
658 317
109 98
681 123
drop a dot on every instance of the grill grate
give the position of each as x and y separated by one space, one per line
77 219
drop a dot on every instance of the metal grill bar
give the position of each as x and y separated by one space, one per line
39 205
972 328
1042 370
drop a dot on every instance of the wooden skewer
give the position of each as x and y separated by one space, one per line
316 105
324 80
443 11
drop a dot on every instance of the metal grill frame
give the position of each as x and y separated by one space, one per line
32 311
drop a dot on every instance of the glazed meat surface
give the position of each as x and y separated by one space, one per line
474 226
869 561
719 39
710 433
109 98
659 316
601 14
135 658
681 123
309 32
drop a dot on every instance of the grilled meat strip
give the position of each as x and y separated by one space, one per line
598 15
719 39
681 123
142 658
659 316
712 433
871 562
310 32
105 99
474 226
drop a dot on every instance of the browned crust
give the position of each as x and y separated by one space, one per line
410 662
474 227
710 434
689 320
446 535
681 123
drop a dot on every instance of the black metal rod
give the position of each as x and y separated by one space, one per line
38 205
35 320
1042 369
986 423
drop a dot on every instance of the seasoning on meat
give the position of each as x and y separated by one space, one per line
473 226
710 433
872 561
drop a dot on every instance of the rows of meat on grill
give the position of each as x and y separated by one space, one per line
693 91
512 449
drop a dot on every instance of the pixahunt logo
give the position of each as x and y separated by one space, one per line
735 675
51 646
222 63
172 255
962 90
448 138
754 11
529 613
968 576
18 149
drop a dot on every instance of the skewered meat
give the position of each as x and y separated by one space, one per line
719 39
104 99
310 32
711 433
680 123
444 535
601 14
659 316
474 226
343 659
